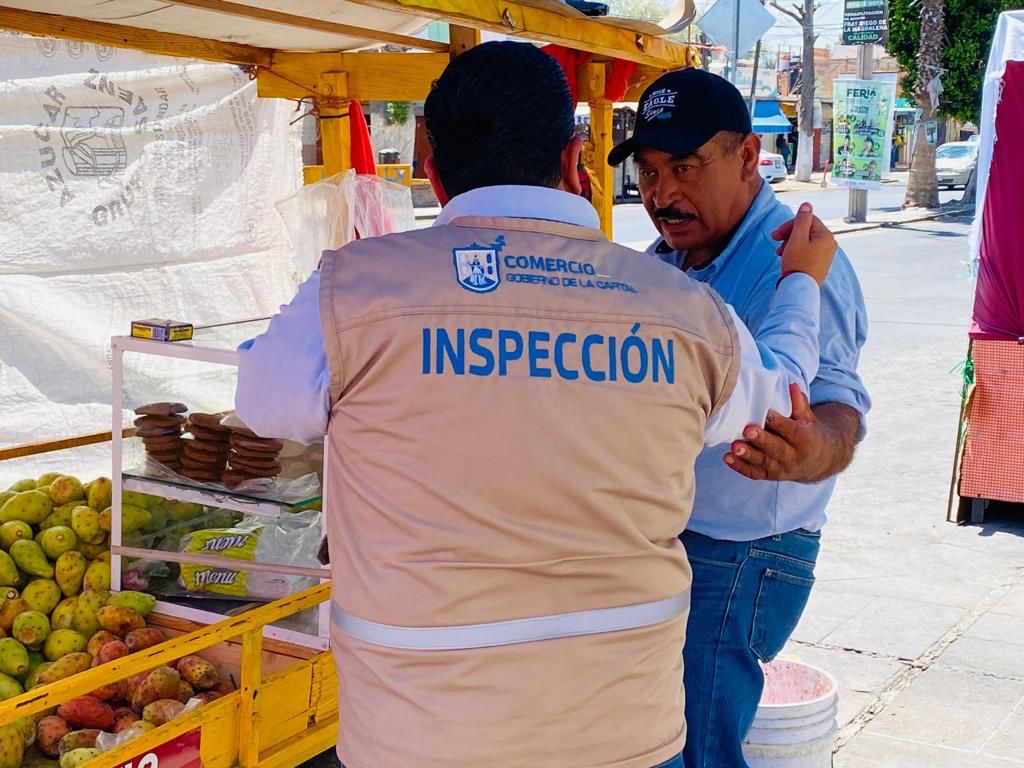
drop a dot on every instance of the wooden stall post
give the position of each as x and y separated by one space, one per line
461 39
335 129
595 150
249 688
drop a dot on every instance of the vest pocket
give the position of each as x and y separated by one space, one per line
781 600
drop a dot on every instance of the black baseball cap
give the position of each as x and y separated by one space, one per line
681 111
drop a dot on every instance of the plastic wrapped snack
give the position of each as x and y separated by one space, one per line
290 540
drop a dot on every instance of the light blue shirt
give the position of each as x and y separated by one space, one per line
728 506
283 377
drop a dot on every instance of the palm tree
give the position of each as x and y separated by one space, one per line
923 187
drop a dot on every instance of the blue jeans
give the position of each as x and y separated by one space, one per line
746 600
674 762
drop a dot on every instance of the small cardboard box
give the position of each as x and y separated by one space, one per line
162 330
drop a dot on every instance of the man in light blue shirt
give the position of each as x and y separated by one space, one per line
752 545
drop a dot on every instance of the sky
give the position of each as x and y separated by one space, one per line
786 32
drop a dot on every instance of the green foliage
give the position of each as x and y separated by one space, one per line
969 27
397 112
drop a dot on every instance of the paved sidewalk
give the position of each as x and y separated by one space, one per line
921 621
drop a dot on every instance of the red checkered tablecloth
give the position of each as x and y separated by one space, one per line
993 459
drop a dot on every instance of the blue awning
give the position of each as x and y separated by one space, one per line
768 118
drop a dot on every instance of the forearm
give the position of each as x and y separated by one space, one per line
840 425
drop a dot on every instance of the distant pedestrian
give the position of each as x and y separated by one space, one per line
897 142
782 146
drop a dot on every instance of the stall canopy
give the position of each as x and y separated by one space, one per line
998 241
768 118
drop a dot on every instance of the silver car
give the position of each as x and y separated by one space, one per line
955 161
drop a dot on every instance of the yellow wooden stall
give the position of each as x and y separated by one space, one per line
286 708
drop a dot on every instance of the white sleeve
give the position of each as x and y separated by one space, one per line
283 377
785 352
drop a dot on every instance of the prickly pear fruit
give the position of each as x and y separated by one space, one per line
14 659
65 667
28 484
9 687
31 559
97 577
110 691
124 717
63 616
57 540
64 642
84 738
120 621
198 672
100 491
97 641
163 711
185 692
66 489
10 610
33 674
9 575
60 516
42 595
31 507
46 478
31 629
112 651
85 522
12 746
78 757
87 611
69 572
27 727
87 712
134 518
49 731
157 520
161 683
13 530
94 551
139 602
141 639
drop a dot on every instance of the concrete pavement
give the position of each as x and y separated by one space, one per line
921 621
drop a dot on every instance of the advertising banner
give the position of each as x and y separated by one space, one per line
862 110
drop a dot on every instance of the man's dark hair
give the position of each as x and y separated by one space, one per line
501 113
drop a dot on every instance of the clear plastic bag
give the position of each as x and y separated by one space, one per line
328 214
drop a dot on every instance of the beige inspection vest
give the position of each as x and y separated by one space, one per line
517 406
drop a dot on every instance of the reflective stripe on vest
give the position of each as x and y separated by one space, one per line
497 633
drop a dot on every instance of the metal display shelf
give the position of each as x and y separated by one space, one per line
267 504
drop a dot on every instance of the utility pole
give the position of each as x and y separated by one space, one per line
735 40
858 207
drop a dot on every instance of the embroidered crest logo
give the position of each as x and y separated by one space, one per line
476 266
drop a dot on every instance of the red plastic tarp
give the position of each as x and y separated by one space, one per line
616 81
999 296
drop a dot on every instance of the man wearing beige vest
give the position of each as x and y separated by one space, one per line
513 406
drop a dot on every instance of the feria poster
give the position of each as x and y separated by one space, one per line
861 111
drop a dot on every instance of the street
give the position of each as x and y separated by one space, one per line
633 226
922 621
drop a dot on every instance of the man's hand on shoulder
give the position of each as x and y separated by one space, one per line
808 447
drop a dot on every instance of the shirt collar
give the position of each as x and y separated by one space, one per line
521 202
763 203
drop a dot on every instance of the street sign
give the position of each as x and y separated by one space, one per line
719 24
866 22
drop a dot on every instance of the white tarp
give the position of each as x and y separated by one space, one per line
1007 45
131 186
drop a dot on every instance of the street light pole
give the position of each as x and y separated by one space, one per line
858 208
735 40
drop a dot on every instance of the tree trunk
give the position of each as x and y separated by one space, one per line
805 147
923 186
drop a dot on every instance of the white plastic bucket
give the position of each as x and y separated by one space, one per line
795 725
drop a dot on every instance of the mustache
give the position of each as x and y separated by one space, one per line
672 213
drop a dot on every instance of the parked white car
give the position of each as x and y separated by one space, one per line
772 167
954 163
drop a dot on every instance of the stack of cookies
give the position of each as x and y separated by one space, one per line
159 425
205 455
251 457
